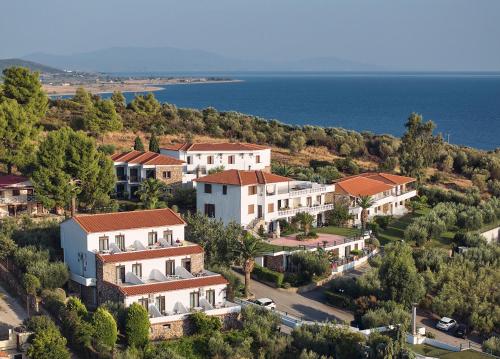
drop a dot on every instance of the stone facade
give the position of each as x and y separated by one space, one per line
179 328
197 262
175 174
274 263
87 294
107 290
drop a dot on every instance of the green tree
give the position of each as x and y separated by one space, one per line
102 118
398 275
304 220
119 100
138 145
365 202
150 192
154 146
419 147
31 285
339 215
68 164
48 344
105 329
145 105
137 326
248 250
297 142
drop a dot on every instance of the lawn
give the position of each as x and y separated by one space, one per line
427 350
341 231
264 247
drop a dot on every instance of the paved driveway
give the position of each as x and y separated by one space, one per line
11 313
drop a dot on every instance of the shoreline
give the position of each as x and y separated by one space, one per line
130 86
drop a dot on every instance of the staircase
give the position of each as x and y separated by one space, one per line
254 225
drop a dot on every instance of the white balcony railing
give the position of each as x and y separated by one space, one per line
219 309
18 199
312 209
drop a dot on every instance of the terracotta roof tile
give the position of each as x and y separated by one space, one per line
361 186
172 285
206 147
242 178
146 158
128 220
149 254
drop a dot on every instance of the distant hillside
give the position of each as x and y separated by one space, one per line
158 59
33 66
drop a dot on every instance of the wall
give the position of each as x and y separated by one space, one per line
227 207
493 235
175 174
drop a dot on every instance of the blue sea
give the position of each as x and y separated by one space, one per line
464 106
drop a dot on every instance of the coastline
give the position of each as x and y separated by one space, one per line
129 86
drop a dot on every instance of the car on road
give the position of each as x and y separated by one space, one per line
266 303
446 324
461 331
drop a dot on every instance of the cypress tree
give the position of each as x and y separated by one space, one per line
154 146
138 145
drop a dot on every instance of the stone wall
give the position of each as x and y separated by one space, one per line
106 283
197 262
274 263
179 328
175 174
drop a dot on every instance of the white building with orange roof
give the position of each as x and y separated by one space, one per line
202 157
255 198
141 257
135 166
389 192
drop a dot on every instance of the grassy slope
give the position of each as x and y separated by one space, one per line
341 231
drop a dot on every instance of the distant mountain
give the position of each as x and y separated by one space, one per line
139 59
33 66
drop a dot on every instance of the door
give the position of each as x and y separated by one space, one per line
259 211
120 274
170 267
347 251
186 263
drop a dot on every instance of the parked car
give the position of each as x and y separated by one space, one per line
266 303
446 324
461 331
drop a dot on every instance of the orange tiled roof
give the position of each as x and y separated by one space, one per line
242 178
214 147
145 158
172 285
369 184
149 254
128 220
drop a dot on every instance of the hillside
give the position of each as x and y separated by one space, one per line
33 66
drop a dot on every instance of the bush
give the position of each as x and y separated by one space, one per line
51 274
338 300
105 329
137 326
54 300
390 313
306 236
417 233
39 323
430 334
383 221
268 275
204 324
307 265
235 287
492 346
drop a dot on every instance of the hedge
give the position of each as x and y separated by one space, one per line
268 275
338 300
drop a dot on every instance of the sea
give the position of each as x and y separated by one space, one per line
464 106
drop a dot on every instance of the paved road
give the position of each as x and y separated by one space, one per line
307 306
11 313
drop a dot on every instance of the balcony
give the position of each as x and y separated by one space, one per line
312 209
180 312
21 199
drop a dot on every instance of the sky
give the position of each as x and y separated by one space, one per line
394 34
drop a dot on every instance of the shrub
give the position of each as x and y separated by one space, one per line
204 324
39 323
306 236
310 264
235 286
492 346
338 300
105 329
48 344
51 274
390 313
416 232
74 304
268 275
54 300
137 326
383 221
430 334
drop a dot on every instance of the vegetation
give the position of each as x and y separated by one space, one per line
268 275
47 341
307 266
137 326
150 193
248 250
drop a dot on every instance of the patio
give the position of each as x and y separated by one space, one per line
323 240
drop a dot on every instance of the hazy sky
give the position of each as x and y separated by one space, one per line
417 34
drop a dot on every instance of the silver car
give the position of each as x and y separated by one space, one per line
446 324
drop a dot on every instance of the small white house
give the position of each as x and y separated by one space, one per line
255 198
17 196
202 157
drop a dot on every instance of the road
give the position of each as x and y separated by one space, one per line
12 313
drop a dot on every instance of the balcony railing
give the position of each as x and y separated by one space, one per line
21 199
312 209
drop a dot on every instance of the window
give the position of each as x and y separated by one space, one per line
210 296
16 192
194 299
120 274
252 190
144 302
210 160
137 269
186 263
251 209
270 207
170 267
168 236
120 241
224 189
401 203
152 238
230 160
257 159
189 160
318 199
167 174
208 188
210 210
103 243
160 303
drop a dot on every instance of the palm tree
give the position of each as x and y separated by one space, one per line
305 220
150 192
282 170
365 202
248 250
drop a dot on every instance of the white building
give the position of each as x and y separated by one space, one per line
17 196
141 257
202 157
133 167
255 198
389 192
